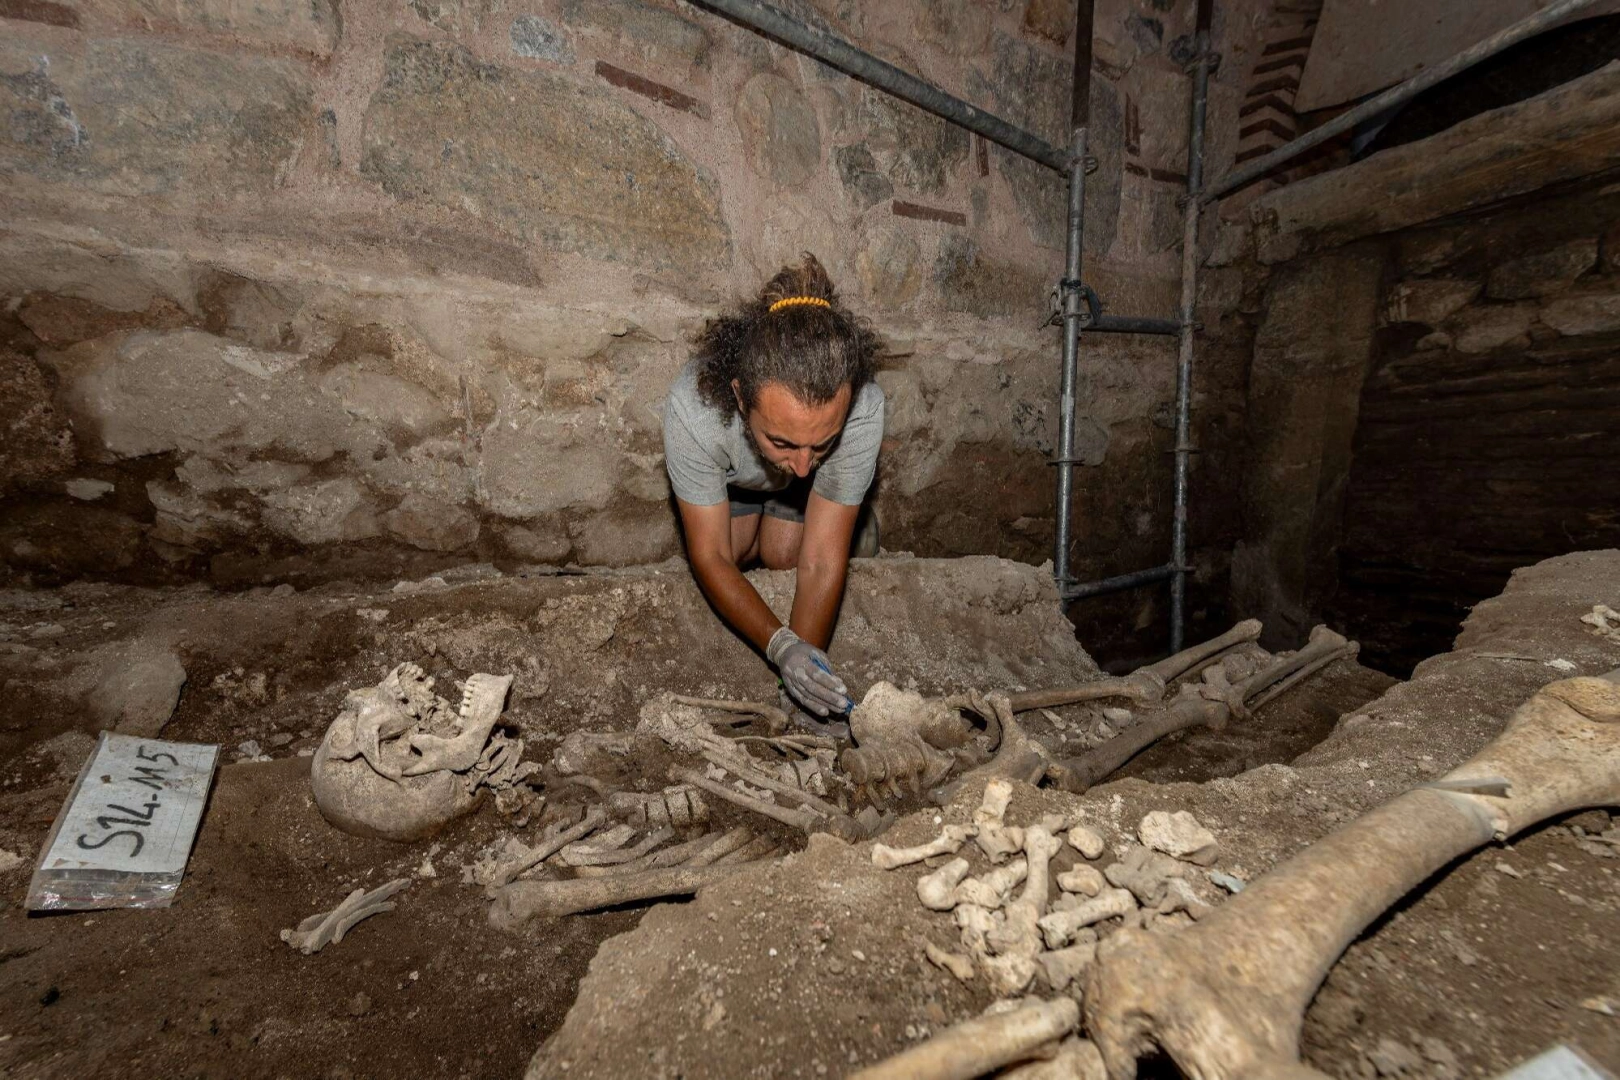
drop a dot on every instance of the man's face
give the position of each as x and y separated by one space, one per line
791 435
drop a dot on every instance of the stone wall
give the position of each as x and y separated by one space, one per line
1431 398
1489 434
305 288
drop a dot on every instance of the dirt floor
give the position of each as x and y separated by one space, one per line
803 966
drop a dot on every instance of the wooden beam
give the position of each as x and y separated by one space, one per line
1569 132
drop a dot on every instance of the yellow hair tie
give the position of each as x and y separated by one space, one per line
798 301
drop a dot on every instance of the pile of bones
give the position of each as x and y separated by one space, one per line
1137 955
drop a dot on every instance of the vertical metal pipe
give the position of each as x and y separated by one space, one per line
1069 289
1072 311
1189 311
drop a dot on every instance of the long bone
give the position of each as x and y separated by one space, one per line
1145 683
517 903
805 820
981 1045
1195 708
774 719
547 848
1226 997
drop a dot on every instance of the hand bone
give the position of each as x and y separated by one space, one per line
1061 967
1020 934
937 891
996 839
1226 997
958 965
1082 878
990 891
1060 926
948 842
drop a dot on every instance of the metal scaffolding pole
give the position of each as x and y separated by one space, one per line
1396 95
834 51
1189 326
1075 311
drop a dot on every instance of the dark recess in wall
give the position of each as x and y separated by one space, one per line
1513 75
1489 431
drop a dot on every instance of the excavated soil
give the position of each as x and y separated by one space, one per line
206 988
802 967
814 966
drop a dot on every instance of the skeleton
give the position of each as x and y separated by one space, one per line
1226 997
399 762
902 738
328 927
1209 703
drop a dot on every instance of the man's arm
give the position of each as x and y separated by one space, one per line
823 564
708 548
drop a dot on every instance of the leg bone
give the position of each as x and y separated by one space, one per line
1226 997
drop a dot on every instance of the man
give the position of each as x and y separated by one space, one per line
771 436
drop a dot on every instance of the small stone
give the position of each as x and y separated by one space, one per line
280 739
1086 841
863 182
1544 273
857 954
1429 301
431 524
1050 19
140 689
1180 835
538 39
284 589
87 490
1229 882
1572 316
1560 664
1481 329
9 861
1393 1059
781 136
1116 714
360 1004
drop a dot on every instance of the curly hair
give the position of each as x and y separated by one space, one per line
811 350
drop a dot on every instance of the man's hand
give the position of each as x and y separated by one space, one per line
807 674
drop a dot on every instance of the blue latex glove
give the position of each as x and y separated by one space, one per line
806 674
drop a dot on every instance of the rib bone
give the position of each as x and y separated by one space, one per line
327 927
1226 997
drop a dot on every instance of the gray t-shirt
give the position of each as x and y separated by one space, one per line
704 452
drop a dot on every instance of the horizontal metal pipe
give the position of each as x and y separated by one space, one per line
1131 324
1118 584
836 52
1396 95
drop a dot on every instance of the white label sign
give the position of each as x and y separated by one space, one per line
137 809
